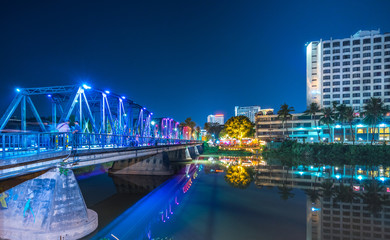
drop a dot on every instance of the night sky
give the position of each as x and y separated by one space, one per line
178 58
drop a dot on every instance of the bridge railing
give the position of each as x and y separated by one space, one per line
19 144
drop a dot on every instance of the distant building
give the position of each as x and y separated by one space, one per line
217 118
349 70
248 111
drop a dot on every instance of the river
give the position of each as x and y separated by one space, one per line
237 198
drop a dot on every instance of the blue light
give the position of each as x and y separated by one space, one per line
338 126
338 176
49 95
313 209
108 92
18 90
123 97
360 177
382 179
85 86
144 108
301 173
151 113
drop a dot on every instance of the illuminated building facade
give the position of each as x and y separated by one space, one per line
248 111
349 70
217 118
304 128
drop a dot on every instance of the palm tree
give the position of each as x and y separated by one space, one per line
197 130
285 113
312 110
328 119
373 112
349 116
340 115
327 188
190 124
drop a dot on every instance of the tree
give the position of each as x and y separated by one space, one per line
197 130
188 123
213 128
284 114
237 176
238 127
328 119
341 114
312 110
373 112
349 115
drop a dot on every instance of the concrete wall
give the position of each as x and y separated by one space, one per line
46 207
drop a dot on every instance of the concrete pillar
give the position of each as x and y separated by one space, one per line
50 206
188 155
196 150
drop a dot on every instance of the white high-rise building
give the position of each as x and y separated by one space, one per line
349 70
249 111
217 118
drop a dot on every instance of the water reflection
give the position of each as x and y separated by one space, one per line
348 202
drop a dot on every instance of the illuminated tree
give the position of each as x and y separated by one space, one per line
312 110
238 177
374 110
238 127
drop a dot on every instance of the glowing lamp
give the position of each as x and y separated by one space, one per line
123 97
18 90
360 177
49 95
108 92
85 86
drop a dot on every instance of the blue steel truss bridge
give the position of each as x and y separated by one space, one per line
111 127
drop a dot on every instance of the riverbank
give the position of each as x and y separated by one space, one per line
217 151
338 154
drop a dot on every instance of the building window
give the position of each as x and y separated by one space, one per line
387 99
346 76
326 77
387 93
326 71
366 48
366 68
326 84
366 41
366 55
366 94
387 73
356 62
356 42
356 56
336 83
387 39
366 88
336 95
367 61
346 89
336 51
356 69
387 80
346 69
377 60
336 44
346 82
326 65
377 87
356 75
377 47
387 53
366 74
356 82
326 52
346 95
346 56
365 100
387 46
336 70
377 40
336 76
376 94
346 101
326 90
377 74
346 63
326 96
346 43
356 101
336 89
335 64
345 50
387 86
377 67
326 102
366 81
326 45
326 58
355 89
356 49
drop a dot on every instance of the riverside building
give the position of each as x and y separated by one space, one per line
248 111
304 128
349 70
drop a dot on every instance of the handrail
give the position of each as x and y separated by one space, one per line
18 144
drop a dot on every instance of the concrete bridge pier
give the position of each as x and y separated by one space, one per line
50 206
188 154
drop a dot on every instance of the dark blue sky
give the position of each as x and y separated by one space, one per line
178 58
